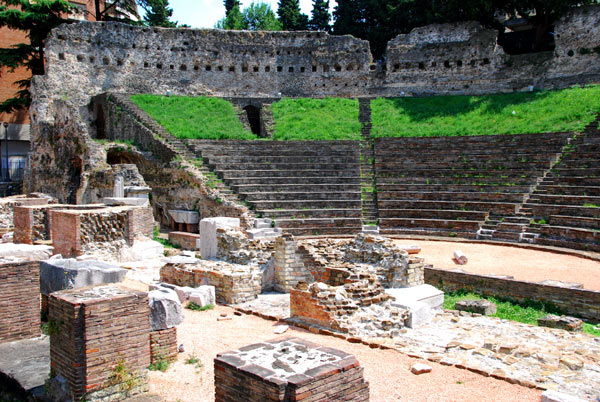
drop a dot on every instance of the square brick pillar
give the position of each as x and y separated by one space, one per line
100 341
19 301
289 369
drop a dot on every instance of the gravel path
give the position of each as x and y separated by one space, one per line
523 264
387 371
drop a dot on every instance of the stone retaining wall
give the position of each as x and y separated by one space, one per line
100 341
20 301
578 302
233 283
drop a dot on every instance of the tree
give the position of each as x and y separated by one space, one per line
320 16
290 16
260 17
36 18
116 10
158 13
230 5
256 17
542 14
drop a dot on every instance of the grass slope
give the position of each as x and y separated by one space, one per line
194 117
316 119
516 113
527 313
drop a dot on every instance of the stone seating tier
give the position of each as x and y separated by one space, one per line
305 187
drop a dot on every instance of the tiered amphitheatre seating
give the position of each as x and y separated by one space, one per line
305 187
567 202
450 186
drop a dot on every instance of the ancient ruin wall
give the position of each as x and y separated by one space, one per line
86 59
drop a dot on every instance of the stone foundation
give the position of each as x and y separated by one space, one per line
73 230
100 341
291 369
233 283
289 268
185 240
20 301
163 345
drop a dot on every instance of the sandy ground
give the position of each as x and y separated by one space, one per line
523 264
387 371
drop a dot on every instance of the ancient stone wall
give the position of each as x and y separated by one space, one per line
579 302
87 59
163 345
20 301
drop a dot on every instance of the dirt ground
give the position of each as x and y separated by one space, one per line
523 264
387 371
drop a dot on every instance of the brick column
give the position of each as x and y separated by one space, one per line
20 301
289 268
100 341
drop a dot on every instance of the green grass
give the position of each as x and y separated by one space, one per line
194 117
160 365
316 119
527 313
193 306
534 112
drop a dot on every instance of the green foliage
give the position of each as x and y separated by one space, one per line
193 306
36 18
527 312
517 113
316 119
161 364
230 5
255 17
320 16
158 13
290 16
194 117
123 376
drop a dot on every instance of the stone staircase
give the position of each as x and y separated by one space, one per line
303 187
370 214
565 206
471 187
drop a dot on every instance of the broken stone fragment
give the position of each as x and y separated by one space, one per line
420 368
165 309
484 307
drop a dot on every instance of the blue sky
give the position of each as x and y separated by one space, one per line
205 13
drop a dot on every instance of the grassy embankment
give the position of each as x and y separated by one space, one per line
515 113
527 313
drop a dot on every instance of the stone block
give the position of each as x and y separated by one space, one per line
182 216
419 313
26 252
119 201
165 309
427 294
208 234
185 240
203 295
484 307
555 396
561 322
60 274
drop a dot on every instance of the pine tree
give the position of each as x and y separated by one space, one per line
36 18
290 16
230 4
158 13
320 16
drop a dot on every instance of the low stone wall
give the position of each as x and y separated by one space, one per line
163 345
7 207
579 302
73 229
315 373
100 341
185 240
20 301
233 283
